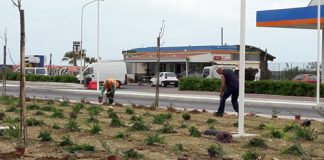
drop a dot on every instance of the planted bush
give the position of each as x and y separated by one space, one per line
12 131
132 154
294 149
39 113
257 142
82 147
94 110
12 109
136 118
275 133
122 135
155 138
55 126
167 128
95 128
211 121
34 122
77 108
116 122
251 155
45 136
194 132
186 116
216 150
139 126
306 133
112 114
129 110
32 106
65 102
291 127
72 125
178 148
47 108
161 118
66 141
57 113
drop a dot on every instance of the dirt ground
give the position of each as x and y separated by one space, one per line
194 148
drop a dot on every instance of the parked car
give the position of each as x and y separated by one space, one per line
309 78
166 78
210 71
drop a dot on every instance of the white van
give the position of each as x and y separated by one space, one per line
210 71
107 69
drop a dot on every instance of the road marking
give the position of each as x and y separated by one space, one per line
195 97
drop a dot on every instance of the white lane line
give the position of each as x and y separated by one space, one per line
147 94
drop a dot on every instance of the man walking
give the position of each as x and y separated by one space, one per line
109 86
229 86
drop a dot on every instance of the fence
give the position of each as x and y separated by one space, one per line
289 70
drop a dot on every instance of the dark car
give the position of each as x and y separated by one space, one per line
309 78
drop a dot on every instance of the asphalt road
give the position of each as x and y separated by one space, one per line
144 95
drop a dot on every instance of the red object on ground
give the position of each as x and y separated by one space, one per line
92 85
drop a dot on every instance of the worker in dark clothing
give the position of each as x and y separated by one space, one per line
229 86
109 86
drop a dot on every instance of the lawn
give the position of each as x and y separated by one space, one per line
64 130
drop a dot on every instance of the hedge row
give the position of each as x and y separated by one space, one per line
15 76
286 88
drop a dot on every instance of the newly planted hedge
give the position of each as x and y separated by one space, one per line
276 87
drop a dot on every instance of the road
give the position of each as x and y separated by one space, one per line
144 95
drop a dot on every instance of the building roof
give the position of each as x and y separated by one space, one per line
184 48
303 17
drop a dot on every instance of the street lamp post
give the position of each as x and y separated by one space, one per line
81 45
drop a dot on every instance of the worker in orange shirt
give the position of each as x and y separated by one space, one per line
109 86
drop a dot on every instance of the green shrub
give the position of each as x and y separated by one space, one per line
139 126
77 108
72 125
131 154
92 120
44 78
186 116
122 135
262 126
194 132
291 127
129 110
184 125
257 142
82 147
45 136
294 149
47 108
50 101
136 118
65 102
306 133
112 115
39 113
216 150
55 126
12 109
13 131
167 128
211 121
161 118
95 128
34 122
251 155
94 110
32 106
57 113
155 138
275 133
66 141
116 122
10 120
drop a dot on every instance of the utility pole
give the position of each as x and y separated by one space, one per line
22 94
222 36
156 101
4 73
50 64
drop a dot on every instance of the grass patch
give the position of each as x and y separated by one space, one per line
129 110
56 126
153 139
178 148
139 126
12 109
252 155
12 132
136 118
167 128
65 141
82 147
122 135
161 118
257 143
291 127
77 108
95 110
186 116
45 136
95 129
294 149
57 113
72 125
194 132
305 133
216 150
33 106
34 122
132 155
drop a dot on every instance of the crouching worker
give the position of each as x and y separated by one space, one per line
109 86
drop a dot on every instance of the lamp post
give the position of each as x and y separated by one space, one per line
81 52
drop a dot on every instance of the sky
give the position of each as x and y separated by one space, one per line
53 25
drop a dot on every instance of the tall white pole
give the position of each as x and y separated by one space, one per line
81 41
318 50
98 61
242 70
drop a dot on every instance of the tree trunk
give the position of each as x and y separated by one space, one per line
157 97
23 128
4 68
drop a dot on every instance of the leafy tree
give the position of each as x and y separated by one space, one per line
73 57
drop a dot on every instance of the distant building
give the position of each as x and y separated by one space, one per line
141 62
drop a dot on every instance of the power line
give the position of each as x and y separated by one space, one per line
11 57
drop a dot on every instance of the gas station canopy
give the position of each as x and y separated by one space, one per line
302 18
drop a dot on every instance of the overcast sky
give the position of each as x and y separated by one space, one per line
52 26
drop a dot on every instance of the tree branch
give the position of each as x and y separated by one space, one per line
14 3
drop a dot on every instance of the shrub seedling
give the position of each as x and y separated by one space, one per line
94 110
250 155
294 149
82 147
178 148
129 110
275 133
66 141
122 135
155 138
45 136
57 113
306 133
55 126
291 127
257 142
72 125
95 128
47 108
32 106
77 108
211 121
186 116
12 109
167 128
12 131
132 154
139 126
112 114
34 122
136 118
116 122
39 113
194 132
216 150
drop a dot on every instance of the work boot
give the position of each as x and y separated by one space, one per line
216 114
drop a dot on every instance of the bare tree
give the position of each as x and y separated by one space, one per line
157 92
4 70
22 95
